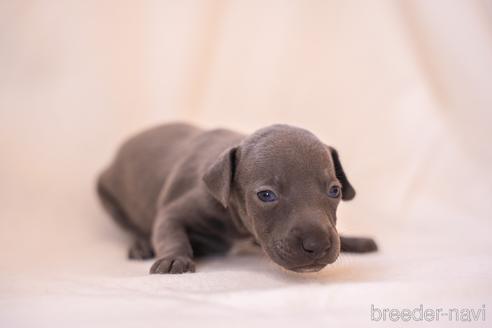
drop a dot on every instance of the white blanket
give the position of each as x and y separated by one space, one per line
64 262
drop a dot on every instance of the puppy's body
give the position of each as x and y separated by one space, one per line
182 192
162 168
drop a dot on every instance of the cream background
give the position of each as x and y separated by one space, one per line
401 88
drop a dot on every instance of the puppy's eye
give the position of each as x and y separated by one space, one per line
267 196
334 192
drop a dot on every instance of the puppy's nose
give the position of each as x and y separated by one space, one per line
315 246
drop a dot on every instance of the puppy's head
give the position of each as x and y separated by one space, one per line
285 185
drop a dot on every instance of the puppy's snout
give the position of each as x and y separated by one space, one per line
316 246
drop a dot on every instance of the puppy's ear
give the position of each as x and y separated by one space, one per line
219 176
348 192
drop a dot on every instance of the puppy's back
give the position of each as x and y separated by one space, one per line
140 168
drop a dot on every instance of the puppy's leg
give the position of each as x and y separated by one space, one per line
172 246
358 244
141 250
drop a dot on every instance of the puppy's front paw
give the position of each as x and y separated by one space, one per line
358 245
366 245
170 264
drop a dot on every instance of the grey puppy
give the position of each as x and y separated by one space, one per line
185 192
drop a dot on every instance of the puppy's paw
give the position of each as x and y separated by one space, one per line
366 245
141 250
358 245
177 264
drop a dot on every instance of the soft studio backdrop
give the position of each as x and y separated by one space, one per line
403 89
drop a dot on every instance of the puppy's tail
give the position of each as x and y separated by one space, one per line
114 208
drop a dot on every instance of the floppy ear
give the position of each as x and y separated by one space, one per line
219 176
348 192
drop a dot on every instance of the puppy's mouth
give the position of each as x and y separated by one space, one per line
314 267
290 264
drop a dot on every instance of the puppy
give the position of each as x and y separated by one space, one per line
185 192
